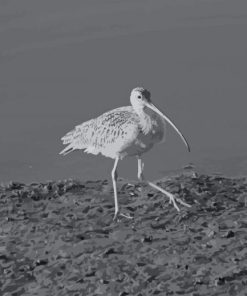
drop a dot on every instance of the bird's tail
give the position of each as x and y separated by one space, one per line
73 140
69 138
76 138
67 150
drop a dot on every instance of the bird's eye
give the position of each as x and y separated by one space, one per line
139 97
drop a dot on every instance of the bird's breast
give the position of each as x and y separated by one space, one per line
152 131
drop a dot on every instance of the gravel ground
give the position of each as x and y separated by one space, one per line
58 238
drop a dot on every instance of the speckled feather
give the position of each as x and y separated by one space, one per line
115 133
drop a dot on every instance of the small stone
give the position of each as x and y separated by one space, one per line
147 239
229 234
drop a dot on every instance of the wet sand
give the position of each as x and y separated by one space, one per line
58 238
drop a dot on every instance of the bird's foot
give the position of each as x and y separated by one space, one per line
173 200
118 214
179 200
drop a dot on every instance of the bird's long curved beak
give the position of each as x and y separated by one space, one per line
155 109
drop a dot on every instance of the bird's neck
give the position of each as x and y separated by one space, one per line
146 119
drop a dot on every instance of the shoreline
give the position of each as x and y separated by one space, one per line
59 238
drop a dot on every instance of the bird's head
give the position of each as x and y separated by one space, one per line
140 98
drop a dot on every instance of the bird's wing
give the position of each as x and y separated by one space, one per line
117 125
120 124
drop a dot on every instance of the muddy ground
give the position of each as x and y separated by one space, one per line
58 238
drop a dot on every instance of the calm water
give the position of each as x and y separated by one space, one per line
64 62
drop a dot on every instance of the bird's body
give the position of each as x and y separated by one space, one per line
125 131
117 133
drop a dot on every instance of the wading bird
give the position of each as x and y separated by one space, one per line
125 131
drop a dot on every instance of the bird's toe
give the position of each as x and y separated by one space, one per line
118 214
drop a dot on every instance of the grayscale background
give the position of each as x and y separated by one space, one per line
64 62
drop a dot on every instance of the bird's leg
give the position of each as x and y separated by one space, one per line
140 172
168 194
114 182
172 199
140 169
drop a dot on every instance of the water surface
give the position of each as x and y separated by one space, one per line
62 63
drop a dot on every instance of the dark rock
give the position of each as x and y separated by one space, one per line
147 239
229 234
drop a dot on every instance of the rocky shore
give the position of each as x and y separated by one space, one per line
59 238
